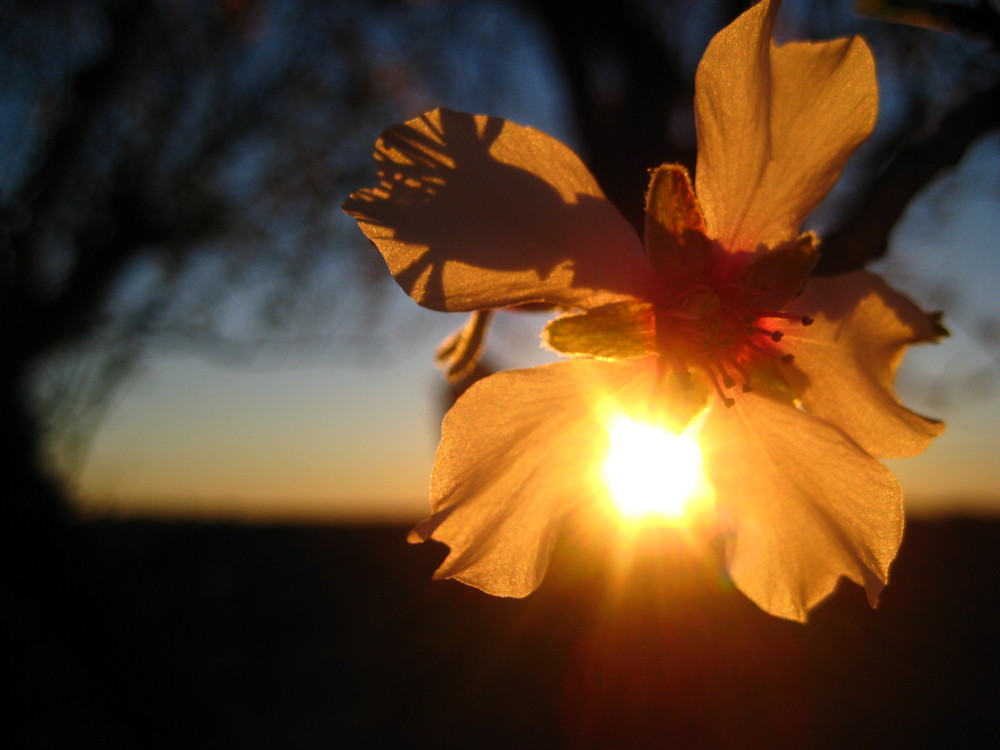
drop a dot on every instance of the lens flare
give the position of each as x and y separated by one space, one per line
655 474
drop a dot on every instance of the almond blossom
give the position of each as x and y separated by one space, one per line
712 313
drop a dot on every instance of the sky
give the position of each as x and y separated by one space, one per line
350 440
351 437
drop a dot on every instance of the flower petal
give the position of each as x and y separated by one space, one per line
474 212
775 126
802 505
518 452
778 275
675 239
846 361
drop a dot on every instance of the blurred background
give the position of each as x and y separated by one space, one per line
219 412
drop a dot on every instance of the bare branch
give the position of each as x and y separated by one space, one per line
864 236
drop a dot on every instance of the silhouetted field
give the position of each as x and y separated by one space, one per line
180 635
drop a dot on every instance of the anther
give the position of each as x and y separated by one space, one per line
775 336
803 319
726 400
786 358
743 374
727 379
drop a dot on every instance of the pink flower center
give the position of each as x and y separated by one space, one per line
723 331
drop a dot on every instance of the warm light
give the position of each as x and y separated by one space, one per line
654 473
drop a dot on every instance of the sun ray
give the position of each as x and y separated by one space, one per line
654 474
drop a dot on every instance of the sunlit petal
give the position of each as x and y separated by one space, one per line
475 212
519 451
775 126
802 505
847 359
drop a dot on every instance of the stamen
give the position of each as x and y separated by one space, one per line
785 358
719 331
775 336
803 319
726 400
743 374
727 379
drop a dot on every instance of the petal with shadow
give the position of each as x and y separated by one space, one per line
474 212
846 361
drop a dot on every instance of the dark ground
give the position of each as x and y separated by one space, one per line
188 636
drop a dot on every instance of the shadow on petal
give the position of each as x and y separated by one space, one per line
474 212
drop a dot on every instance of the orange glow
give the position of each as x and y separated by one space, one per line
654 474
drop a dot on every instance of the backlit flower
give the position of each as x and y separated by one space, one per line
712 315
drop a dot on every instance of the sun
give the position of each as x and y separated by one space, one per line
655 474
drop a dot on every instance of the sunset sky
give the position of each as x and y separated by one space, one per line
350 432
351 435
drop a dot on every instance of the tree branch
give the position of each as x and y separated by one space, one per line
864 235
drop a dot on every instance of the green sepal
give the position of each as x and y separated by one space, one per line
619 330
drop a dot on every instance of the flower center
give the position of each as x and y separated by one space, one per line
722 331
